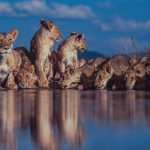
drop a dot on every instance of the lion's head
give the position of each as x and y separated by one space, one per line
79 43
66 79
133 74
70 78
26 78
130 79
103 76
7 40
49 25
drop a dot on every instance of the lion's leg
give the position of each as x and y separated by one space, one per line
61 67
75 63
10 84
42 79
50 75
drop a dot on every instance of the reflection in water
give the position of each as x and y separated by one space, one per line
70 117
8 120
43 122
55 119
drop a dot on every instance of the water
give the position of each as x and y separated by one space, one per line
71 119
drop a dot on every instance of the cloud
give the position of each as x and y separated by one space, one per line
119 24
106 4
55 10
32 7
131 24
79 11
6 9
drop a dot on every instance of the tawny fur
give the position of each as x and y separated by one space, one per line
115 65
9 59
81 78
42 48
25 76
67 51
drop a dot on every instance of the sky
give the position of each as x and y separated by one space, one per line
108 25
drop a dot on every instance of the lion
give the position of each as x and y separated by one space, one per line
67 51
114 66
81 78
137 77
25 76
133 75
41 49
10 60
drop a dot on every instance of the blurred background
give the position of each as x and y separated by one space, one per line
110 26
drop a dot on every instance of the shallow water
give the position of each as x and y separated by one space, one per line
71 119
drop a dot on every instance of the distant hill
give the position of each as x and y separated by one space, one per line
87 55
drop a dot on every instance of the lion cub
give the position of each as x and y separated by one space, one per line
25 76
41 49
114 66
9 59
67 51
81 78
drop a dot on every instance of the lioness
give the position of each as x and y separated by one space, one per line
67 51
25 76
41 49
9 59
115 65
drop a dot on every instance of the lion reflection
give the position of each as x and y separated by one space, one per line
8 120
56 117
70 121
42 124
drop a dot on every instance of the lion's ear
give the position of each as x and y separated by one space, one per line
79 37
13 33
74 33
50 24
143 59
47 24
132 61
43 21
83 36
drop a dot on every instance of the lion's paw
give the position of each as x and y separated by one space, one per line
43 84
12 86
80 87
